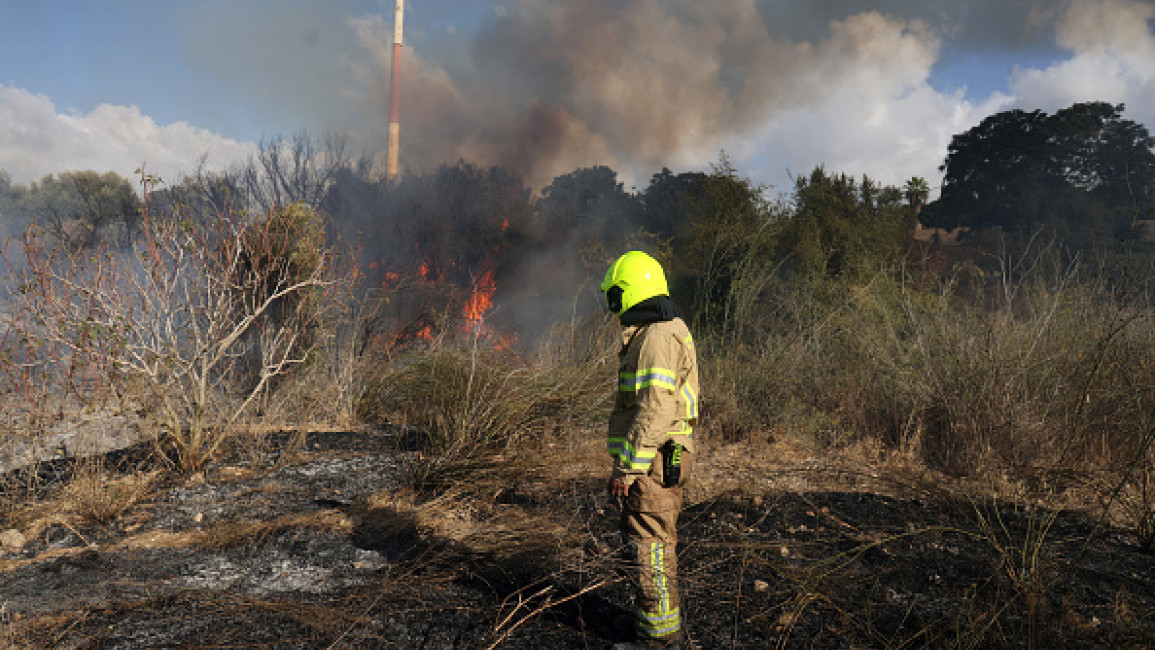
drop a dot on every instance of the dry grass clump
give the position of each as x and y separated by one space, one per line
468 399
17 632
1136 499
466 515
497 530
97 497
91 495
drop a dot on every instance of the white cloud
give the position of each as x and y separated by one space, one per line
882 118
36 140
1112 59
889 138
878 116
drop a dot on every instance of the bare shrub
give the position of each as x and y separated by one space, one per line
1138 501
203 317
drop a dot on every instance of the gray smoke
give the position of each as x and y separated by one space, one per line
558 84
974 24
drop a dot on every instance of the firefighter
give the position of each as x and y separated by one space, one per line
651 439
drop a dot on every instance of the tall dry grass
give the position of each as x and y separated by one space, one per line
1028 383
1042 380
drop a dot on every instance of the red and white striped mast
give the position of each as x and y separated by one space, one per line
395 93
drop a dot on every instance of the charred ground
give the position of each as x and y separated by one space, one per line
324 542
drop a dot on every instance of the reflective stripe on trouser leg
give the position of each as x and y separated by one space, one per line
657 608
649 525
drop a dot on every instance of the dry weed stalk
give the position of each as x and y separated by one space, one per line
529 607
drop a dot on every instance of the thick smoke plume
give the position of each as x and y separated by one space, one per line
551 85
638 85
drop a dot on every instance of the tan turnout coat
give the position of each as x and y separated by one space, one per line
657 396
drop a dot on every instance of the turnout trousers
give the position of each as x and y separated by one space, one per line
649 527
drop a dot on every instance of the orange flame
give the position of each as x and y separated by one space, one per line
431 279
480 298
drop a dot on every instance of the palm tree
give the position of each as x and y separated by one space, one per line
916 191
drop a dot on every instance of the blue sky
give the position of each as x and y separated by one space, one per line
81 54
545 86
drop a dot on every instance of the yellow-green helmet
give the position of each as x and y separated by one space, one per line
634 277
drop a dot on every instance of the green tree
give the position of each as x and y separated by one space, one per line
201 197
663 201
1083 171
10 197
107 200
80 208
12 216
840 227
720 225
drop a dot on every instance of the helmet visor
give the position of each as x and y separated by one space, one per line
614 299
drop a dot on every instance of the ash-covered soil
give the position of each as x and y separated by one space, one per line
331 549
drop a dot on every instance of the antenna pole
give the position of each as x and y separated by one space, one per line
395 92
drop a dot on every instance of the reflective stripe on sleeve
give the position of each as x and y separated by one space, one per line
646 378
691 401
631 458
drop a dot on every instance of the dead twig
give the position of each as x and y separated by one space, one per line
547 605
